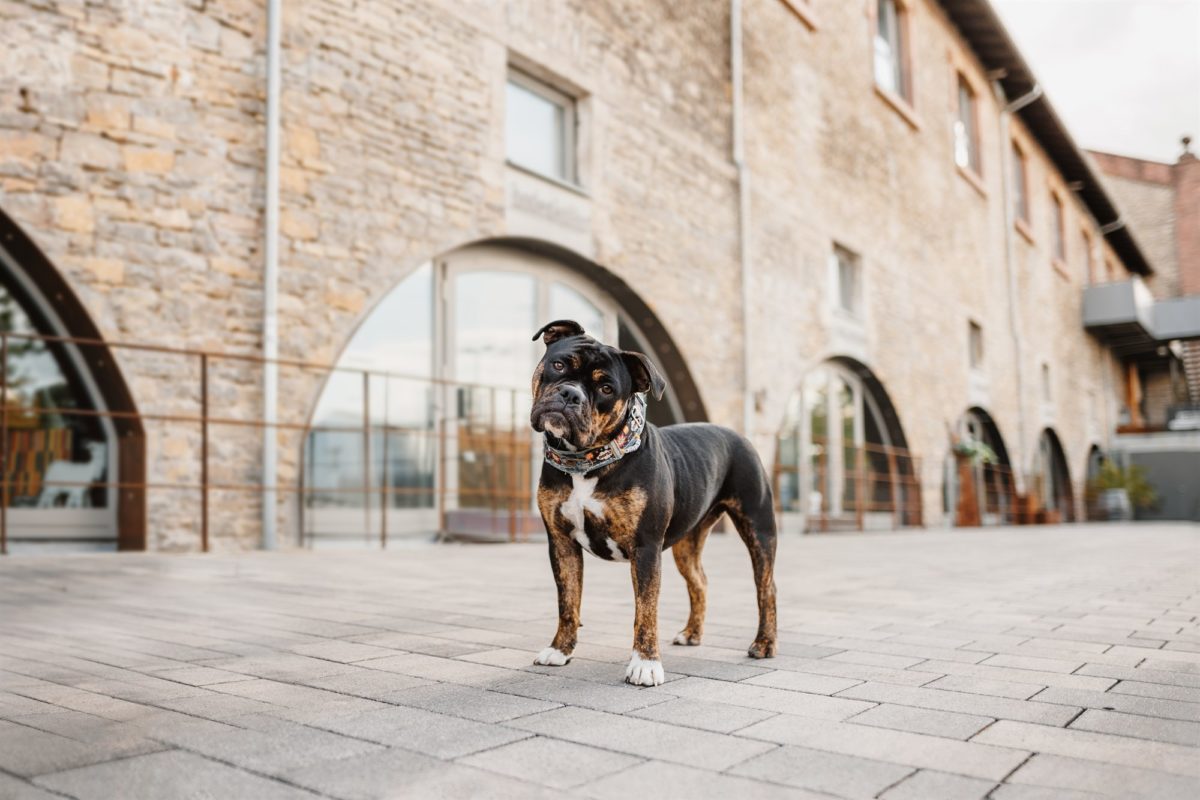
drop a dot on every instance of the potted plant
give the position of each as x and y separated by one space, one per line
1119 490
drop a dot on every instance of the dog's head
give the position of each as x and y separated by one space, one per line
582 388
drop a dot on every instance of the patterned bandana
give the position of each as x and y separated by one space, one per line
628 439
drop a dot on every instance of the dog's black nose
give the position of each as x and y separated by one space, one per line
571 394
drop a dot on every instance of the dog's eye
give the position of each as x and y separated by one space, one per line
606 389
558 365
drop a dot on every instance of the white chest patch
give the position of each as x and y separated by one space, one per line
582 499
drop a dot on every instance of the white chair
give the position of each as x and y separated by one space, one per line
80 473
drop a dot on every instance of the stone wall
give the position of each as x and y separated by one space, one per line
131 151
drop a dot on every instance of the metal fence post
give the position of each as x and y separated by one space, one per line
204 452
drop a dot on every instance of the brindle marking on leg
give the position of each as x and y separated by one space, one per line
759 536
566 562
645 668
687 558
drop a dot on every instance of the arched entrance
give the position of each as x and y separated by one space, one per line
1095 463
979 487
69 432
1051 481
424 428
841 457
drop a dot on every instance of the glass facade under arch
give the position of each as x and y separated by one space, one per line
424 427
837 462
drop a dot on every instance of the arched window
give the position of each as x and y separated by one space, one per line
841 460
63 453
979 487
424 427
1051 483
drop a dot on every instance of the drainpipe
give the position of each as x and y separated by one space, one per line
743 213
1010 253
271 281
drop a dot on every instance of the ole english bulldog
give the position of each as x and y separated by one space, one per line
625 490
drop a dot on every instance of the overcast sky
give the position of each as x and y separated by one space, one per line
1123 74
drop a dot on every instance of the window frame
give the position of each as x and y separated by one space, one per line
1021 206
970 126
569 137
975 345
854 261
1058 234
902 97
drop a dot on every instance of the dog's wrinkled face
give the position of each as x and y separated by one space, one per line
582 388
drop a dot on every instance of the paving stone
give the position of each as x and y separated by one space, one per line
767 699
168 774
929 785
1141 727
1036 663
290 695
676 782
617 698
1112 700
501 657
12 788
719 717
962 683
1159 690
918 651
469 702
282 667
875 659
27 752
368 683
803 682
1173 758
1141 674
419 643
1008 791
425 732
551 762
341 651
963 703
896 747
1079 680
1059 773
642 738
446 670
840 775
947 724
861 672
199 676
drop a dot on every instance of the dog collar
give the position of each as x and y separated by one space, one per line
628 439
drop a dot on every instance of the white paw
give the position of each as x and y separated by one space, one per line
681 638
551 657
643 672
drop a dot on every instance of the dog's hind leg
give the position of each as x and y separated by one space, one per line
756 526
687 558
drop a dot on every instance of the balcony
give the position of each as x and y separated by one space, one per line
1127 318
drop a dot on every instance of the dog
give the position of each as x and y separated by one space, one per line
625 490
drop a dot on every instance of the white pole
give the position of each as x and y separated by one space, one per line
271 281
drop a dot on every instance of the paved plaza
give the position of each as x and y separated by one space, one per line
1014 664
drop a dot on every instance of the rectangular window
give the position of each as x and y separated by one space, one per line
891 72
1060 237
1020 188
966 129
848 276
1046 382
539 128
975 344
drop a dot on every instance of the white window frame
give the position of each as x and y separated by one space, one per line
894 49
966 130
975 334
835 271
568 104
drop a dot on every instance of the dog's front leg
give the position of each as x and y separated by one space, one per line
566 560
645 668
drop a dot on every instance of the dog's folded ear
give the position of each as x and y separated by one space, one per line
646 377
559 329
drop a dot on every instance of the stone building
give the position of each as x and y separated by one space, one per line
857 231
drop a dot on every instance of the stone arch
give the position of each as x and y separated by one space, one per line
1051 478
88 365
425 362
857 473
976 490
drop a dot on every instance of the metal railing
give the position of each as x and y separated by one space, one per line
478 481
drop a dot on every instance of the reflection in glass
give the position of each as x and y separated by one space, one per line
46 443
535 131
